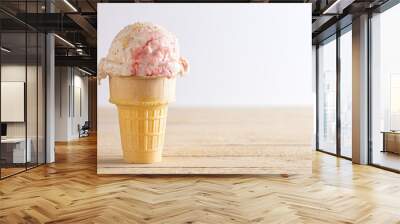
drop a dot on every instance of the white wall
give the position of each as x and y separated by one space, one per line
61 103
79 117
67 81
240 54
15 72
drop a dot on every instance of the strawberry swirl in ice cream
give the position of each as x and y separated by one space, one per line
146 50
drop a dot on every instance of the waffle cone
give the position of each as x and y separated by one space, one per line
142 110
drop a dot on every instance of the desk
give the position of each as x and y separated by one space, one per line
16 148
391 141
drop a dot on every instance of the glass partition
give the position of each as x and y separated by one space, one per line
31 99
327 96
34 52
22 77
13 95
41 96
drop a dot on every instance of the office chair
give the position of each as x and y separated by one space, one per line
84 130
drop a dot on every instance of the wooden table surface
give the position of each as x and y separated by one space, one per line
274 140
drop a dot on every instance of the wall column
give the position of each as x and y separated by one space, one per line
50 92
50 99
360 90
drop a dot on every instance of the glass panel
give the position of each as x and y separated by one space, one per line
32 89
327 97
385 89
41 98
23 90
13 87
31 100
346 93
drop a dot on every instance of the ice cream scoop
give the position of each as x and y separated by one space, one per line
145 50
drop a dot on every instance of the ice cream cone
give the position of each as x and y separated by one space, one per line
142 109
142 64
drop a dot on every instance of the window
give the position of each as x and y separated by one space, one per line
346 93
385 89
327 96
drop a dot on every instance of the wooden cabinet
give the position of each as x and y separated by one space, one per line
391 142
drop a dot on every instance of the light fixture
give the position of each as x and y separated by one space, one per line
84 71
70 5
5 50
337 7
80 51
64 40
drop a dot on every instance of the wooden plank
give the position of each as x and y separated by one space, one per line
303 170
208 165
207 161
218 141
231 150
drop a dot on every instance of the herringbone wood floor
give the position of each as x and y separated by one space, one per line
69 191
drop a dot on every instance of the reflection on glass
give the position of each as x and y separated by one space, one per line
327 96
346 94
386 89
